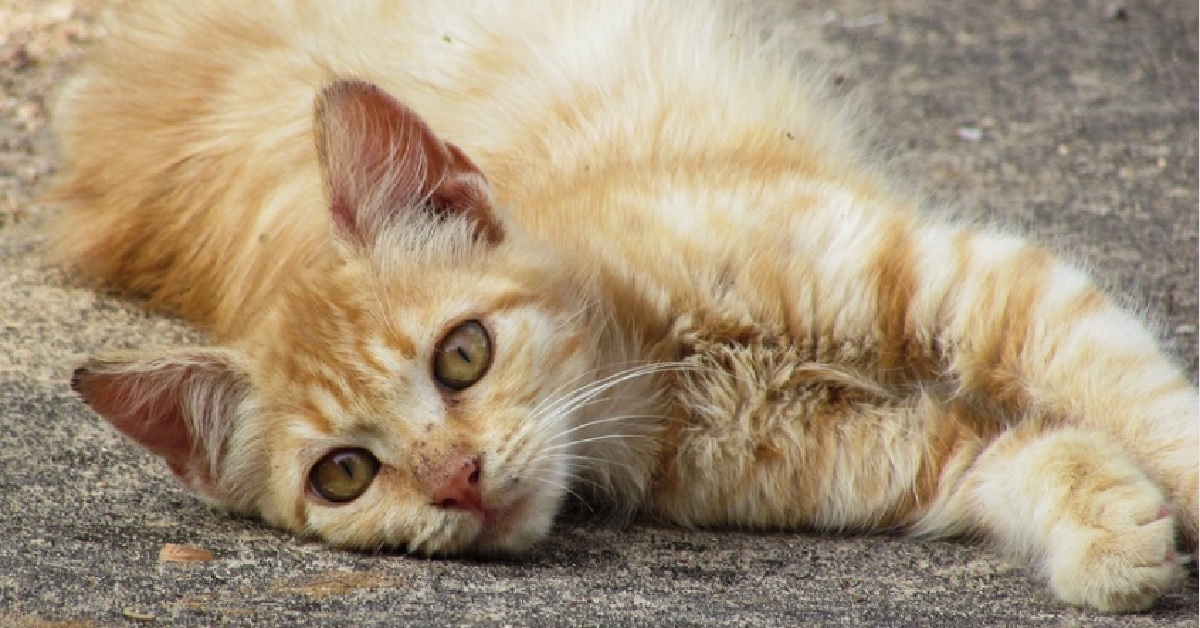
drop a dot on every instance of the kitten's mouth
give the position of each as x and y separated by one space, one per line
497 520
488 513
489 517
498 523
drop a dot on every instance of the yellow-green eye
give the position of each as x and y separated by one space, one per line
343 474
463 356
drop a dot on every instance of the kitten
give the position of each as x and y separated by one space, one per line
520 251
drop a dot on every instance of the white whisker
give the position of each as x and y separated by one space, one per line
570 403
565 488
601 438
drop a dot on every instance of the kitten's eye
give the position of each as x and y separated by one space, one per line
342 475
463 356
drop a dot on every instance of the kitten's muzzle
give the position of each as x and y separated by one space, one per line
456 486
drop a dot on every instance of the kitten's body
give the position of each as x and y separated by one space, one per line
669 197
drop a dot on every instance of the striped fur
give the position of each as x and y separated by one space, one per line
707 305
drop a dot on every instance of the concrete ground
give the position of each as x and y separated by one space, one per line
1073 121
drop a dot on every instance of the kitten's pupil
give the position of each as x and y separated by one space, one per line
463 356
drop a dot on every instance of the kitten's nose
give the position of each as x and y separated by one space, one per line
458 486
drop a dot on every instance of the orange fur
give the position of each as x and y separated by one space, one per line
703 302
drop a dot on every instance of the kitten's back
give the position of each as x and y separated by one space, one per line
219 199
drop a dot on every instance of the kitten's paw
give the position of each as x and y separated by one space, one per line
1119 555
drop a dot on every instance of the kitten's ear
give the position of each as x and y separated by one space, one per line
379 157
182 406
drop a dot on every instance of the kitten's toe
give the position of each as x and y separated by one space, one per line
1123 558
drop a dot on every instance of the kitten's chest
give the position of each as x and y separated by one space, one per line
743 368
757 419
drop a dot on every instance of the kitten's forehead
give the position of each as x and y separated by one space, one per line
378 364
413 324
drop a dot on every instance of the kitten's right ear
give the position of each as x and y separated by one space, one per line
378 157
182 405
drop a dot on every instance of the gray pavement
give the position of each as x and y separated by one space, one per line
1074 122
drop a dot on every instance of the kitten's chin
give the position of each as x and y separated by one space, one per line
521 525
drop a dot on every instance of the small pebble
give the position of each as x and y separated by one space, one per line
970 133
132 614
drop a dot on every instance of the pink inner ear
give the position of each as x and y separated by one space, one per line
150 407
154 420
379 157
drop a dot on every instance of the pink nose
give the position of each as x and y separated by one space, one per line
457 487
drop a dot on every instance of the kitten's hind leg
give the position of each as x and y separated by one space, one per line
1077 505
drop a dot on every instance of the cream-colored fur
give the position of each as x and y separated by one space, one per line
706 304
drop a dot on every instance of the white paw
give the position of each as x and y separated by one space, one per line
1117 554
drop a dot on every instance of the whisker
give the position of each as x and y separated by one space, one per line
603 437
553 398
587 305
571 402
588 462
568 490
596 486
640 368
611 419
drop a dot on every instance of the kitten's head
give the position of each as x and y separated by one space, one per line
404 394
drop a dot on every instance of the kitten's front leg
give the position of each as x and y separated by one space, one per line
1073 503
1020 331
1100 423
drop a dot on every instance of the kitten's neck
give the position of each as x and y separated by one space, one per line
626 405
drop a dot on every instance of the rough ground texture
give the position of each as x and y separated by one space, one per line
1075 122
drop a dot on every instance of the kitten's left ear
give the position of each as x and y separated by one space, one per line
183 405
379 157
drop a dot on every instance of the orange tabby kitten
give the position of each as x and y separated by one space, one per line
518 251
